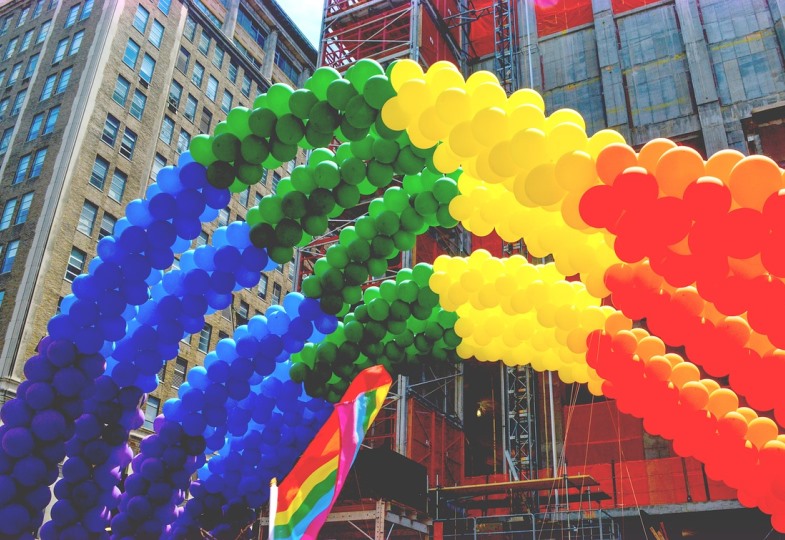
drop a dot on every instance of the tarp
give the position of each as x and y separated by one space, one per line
620 6
492 244
555 16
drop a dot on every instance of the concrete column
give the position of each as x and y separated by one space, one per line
230 22
529 73
777 10
269 54
304 74
611 78
701 76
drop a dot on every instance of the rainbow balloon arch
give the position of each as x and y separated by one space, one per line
693 247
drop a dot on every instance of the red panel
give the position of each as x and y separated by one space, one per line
559 15
433 46
481 33
620 6
492 244
449 11
598 433
436 444
426 250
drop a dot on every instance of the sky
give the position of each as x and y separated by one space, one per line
307 14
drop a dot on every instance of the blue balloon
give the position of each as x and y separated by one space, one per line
168 180
238 234
226 350
217 198
197 377
29 471
138 214
277 321
291 303
48 425
193 174
204 257
14 519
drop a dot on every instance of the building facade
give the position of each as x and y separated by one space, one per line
96 96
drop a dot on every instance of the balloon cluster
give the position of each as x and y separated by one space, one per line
519 313
398 325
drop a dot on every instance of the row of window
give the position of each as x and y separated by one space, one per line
70 45
122 89
27 40
56 83
112 130
8 256
131 56
141 18
39 6
78 12
88 217
99 175
39 126
11 206
30 166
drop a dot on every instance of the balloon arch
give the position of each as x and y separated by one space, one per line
693 247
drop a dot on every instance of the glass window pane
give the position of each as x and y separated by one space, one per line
100 170
127 144
76 42
111 128
121 88
137 104
117 186
38 163
108 222
24 208
212 88
9 256
87 218
148 66
65 76
151 409
51 120
21 169
140 19
131 54
8 213
167 130
204 338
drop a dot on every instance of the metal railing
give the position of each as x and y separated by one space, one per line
593 525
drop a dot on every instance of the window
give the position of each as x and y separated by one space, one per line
212 88
49 85
202 239
226 101
204 43
121 88
137 104
38 163
117 186
76 43
183 59
60 50
39 6
242 197
100 170
151 409
9 256
26 40
276 179
65 76
3 106
242 313
223 217
2 76
256 32
175 93
206 120
51 120
75 264
276 299
14 76
183 141
73 13
22 168
190 29
148 66
32 62
11 49
190 107
2 296
286 66
264 176
111 128
257 198
43 32
18 101
204 338
24 208
140 19
86 10
131 54
246 86
156 34
23 17
158 163
87 218
8 213
35 126
108 221
127 144
261 290
164 5
218 56
5 25
167 130
233 72
5 140
198 74
178 375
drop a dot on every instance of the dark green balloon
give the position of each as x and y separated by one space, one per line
337 256
254 149
420 312
347 196
408 162
385 151
407 291
377 267
378 309
362 71
332 280
326 352
352 294
226 147
378 91
324 117
444 217
293 204
339 92
331 303
445 189
320 202
359 114
393 352
361 314
352 170
315 225
316 138
426 204
433 331
362 149
359 250
451 339
355 274
404 241
399 310
220 174
373 349
301 102
262 122
388 223
289 129
353 330
426 297
326 174
262 235
410 220
249 173
384 131
375 330
380 174
298 372
281 254
283 152
405 338
382 247
421 343
351 133
288 232
312 287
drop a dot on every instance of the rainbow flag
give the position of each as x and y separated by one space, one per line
309 491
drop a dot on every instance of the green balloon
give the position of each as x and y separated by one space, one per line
405 338
260 101
411 221
433 331
254 149
301 101
226 147
271 163
426 297
377 267
293 204
363 149
385 151
281 254
451 339
326 174
337 256
278 98
388 223
324 117
355 274
302 179
320 80
404 240
312 287
383 247
359 250
352 170
346 196
249 174
378 91
376 207
362 71
319 155
221 127
393 352
359 114
289 129
361 313
408 162
298 372
378 309
423 152
353 331
283 152
237 186
366 228
399 311
396 199
202 149
314 225
253 216
388 290
262 122
220 174
445 189
348 132
366 188
262 235
316 138
408 290
288 232
413 184
446 318
347 235
444 218
332 280
321 202
331 304
270 208
381 129
380 174
422 344
339 93
426 204
237 120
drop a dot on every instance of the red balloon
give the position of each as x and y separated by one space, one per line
732 298
774 210
600 207
773 254
707 198
672 221
706 237
745 231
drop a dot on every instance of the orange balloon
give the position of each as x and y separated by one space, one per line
617 322
673 358
650 346
710 384
689 298
720 164
625 341
762 430
613 160
753 179
683 373
722 401
733 424
677 168
694 395
651 152
747 413
735 327
748 268
658 368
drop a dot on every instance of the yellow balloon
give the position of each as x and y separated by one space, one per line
602 139
441 79
526 96
490 125
562 116
464 327
453 105
541 187
445 160
487 95
403 71
565 138
479 77
462 139
394 115
575 172
439 282
529 148
414 96
502 160
461 208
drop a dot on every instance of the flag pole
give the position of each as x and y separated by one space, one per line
273 508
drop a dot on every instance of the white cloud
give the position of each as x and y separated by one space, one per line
307 15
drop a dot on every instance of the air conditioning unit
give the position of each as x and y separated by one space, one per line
144 83
173 103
